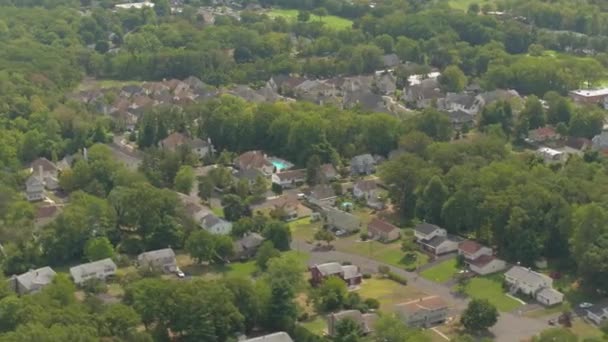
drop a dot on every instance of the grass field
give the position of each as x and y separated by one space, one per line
303 229
330 20
464 4
490 288
442 272
388 253
388 292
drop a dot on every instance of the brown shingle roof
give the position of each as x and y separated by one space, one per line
252 160
366 185
47 165
380 225
292 175
428 303
469 246
482 260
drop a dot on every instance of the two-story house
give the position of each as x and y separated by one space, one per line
480 259
254 160
364 321
31 281
100 269
247 246
383 231
216 225
199 147
424 312
435 240
34 188
160 259
534 284
349 273
289 179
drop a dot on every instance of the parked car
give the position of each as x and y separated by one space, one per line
180 273
585 305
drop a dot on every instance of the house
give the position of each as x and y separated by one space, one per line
390 60
460 119
322 195
472 250
489 97
486 264
543 134
550 155
363 164
247 246
160 259
198 146
250 175
289 179
274 337
135 5
598 313
534 284
46 214
577 143
329 173
34 188
427 231
423 312
440 245
590 96
600 141
216 225
423 94
31 281
48 168
100 269
367 190
342 221
382 230
349 273
365 321
254 160
458 102
385 83
288 205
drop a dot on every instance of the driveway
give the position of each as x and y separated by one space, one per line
509 328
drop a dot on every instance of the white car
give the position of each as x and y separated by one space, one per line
180 273
585 305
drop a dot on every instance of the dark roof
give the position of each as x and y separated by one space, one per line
47 165
436 241
426 228
460 117
599 308
292 175
366 185
381 225
482 260
470 246
210 221
462 99
390 60
252 240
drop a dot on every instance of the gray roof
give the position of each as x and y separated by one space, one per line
390 60
210 220
460 117
342 220
33 180
329 268
363 159
275 337
551 293
462 99
599 308
157 254
250 241
426 228
436 241
527 275
350 271
99 266
600 141
39 277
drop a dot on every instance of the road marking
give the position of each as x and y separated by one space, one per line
440 333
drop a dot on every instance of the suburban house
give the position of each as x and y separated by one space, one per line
160 259
288 205
460 119
46 214
250 175
383 231
34 188
100 269
341 220
598 313
484 99
256 160
363 164
390 60
322 195
289 179
44 167
216 225
423 312
591 96
274 337
534 284
458 102
543 134
200 147
435 240
196 211
368 190
550 155
479 258
422 94
600 141
349 273
329 173
472 250
247 246
31 281
365 321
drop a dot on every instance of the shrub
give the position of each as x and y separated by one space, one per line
94 286
372 303
367 276
364 236
303 317
383 269
395 277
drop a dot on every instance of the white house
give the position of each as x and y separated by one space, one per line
427 231
289 179
537 285
598 313
216 225
34 188
472 250
100 269
486 264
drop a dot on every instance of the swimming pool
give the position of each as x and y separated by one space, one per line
280 164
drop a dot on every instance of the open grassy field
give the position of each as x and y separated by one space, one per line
388 292
388 253
490 288
330 20
464 4
303 229
442 272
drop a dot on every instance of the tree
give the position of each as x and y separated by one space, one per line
98 248
433 198
223 247
415 142
347 330
473 9
279 233
320 12
497 113
324 235
534 112
288 269
589 242
184 179
330 295
281 312
434 124
586 123
452 79
235 208
246 298
259 188
162 7
479 315
120 320
201 246
313 170
303 16
560 108
205 188
389 328
265 253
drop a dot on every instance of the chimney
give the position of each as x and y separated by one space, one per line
40 173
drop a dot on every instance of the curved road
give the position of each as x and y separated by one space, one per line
509 328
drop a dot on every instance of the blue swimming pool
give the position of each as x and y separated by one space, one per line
280 164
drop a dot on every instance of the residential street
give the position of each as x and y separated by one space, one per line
510 327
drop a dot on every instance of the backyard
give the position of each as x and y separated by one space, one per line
330 20
388 292
490 288
441 272
388 253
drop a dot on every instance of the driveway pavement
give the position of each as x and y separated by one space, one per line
509 328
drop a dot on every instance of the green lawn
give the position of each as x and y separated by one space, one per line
330 20
490 288
303 229
388 292
442 272
316 325
464 4
218 211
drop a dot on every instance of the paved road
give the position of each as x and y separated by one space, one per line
509 328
